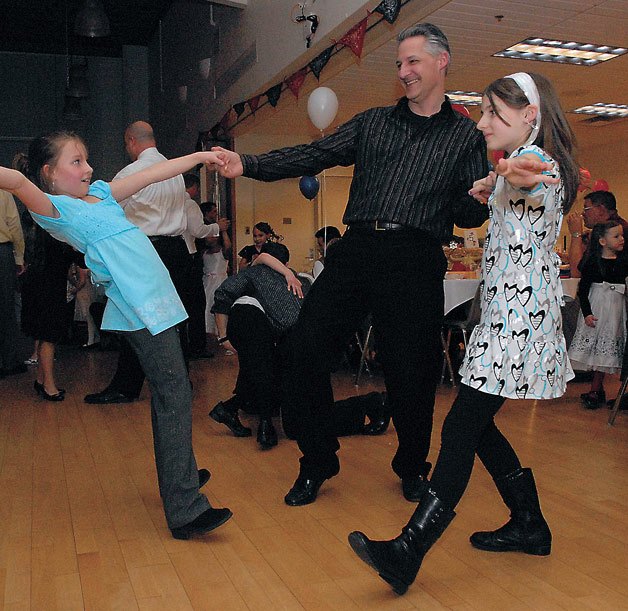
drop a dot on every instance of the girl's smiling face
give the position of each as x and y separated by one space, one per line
70 174
259 237
504 127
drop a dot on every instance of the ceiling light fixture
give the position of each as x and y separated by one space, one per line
603 110
574 53
91 20
470 98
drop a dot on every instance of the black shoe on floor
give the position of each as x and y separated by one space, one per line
230 419
266 434
108 396
304 491
623 403
379 417
207 521
203 477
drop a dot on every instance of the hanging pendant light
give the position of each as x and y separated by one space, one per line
91 20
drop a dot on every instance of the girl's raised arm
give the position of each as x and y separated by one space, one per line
127 186
30 195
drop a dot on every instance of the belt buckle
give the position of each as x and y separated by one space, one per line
378 228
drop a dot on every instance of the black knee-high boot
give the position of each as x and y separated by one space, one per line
398 561
526 531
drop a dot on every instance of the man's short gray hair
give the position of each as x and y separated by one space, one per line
436 39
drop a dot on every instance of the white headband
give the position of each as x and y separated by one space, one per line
528 86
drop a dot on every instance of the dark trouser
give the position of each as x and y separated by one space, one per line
470 429
129 376
171 411
8 318
195 306
397 276
254 338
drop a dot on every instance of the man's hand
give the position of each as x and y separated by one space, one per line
483 188
574 222
525 171
232 164
223 224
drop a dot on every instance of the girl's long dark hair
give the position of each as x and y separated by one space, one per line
269 231
594 251
555 135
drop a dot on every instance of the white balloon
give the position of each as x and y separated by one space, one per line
322 106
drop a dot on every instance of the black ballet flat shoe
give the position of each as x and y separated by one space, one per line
593 399
379 417
230 419
304 491
108 397
209 520
203 477
266 434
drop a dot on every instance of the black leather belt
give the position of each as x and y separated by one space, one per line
380 226
159 238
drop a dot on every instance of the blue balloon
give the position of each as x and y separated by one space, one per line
309 186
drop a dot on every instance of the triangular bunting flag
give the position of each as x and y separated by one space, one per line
354 38
273 94
254 103
295 81
390 9
239 108
319 62
224 122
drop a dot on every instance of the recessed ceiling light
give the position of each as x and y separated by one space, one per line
603 110
564 52
471 98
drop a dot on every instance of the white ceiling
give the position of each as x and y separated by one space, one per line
474 35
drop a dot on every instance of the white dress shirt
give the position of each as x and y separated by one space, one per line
158 209
196 227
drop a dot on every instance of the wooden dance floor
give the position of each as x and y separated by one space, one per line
81 523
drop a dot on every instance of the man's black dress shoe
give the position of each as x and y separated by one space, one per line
266 434
208 520
379 417
203 477
304 491
108 396
230 419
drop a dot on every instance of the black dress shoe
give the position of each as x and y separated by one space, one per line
413 488
203 477
266 434
208 520
379 417
230 419
304 491
108 396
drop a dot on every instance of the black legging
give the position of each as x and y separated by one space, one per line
470 429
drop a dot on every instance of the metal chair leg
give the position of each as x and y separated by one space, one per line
616 405
363 364
446 359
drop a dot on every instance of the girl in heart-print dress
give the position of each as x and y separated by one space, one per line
518 350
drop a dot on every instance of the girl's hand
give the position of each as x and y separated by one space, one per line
211 159
525 171
590 321
294 285
483 188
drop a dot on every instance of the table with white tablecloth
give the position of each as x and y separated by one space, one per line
459 291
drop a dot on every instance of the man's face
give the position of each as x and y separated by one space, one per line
193 191
129 146
593 214
421 73
321 244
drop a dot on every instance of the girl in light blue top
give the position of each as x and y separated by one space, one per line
54 183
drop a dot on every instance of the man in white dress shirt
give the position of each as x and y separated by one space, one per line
159 211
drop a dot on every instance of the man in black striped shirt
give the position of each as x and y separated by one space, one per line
413 165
